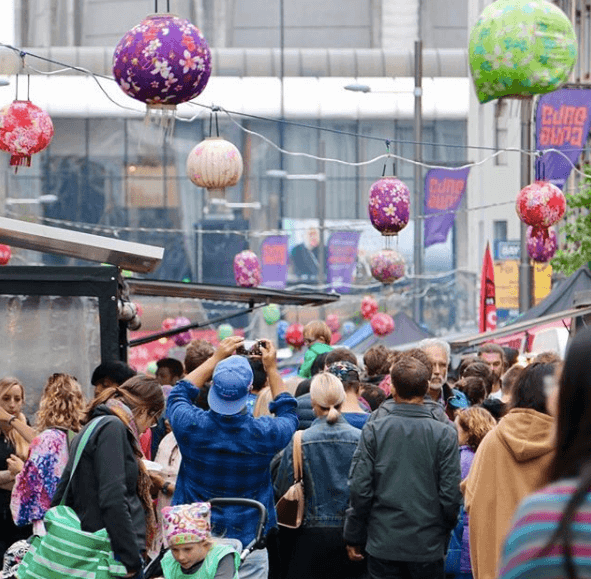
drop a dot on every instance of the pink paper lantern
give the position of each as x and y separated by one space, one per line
389 205
167 324
387 266
540 204
183 338
541 244
369 307
5 254
333 322
247 269
382 324
25 129
294 335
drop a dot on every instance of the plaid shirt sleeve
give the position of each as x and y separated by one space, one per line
180 408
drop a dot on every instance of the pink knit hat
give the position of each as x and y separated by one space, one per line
186 523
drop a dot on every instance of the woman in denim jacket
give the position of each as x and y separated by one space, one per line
317 549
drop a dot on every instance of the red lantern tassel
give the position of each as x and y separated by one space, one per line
20 160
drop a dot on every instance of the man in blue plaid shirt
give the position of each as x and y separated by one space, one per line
226 452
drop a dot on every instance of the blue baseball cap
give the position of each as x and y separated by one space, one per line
231 383
458 400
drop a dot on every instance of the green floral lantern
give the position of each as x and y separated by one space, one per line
271 314
225 331
521 47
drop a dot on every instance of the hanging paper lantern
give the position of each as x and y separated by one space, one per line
214 164
25 129
389 205
225 331
163 61
247 269
333 322
348 328
152 368
271 314
282 326
387 266
369 307
382 324
167 324
521 47
541 244
294 335
540 204
183 338
5 254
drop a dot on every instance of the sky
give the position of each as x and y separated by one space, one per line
7 21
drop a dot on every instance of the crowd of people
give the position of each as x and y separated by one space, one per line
411 469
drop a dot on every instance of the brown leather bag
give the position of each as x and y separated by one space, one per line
290 507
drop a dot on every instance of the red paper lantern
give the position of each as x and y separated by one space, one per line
294 335
333 322
5 254
389 205
541 244
387 266
382 324
369 307
540 204
25 129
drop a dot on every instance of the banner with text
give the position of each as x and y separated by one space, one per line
563 119
341 259
274 261
444 189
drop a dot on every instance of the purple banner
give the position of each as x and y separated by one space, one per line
444 189
341 258
562 122
274 261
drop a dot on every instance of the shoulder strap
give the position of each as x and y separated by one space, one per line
89 430
298 471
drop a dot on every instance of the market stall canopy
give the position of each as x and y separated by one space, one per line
129 255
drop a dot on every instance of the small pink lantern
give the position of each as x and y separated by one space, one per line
540 204
389 205
25 129
247 269
541 244
5 254
167 324
387 266
369 307
294 335
333 322
382 324
183 338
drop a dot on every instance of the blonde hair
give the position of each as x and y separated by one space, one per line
21 446
261 406
318 330
62 404
327 392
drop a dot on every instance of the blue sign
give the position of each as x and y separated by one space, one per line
507 250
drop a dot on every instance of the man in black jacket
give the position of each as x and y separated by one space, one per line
404 484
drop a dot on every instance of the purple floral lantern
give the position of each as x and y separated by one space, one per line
247 269
382 324
389 205
183 338
541 244
163 61
387 266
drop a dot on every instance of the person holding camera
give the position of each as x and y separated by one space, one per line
226 452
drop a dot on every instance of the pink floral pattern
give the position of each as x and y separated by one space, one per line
183 338
541 244
389 205
369 307
333 322
163 60
247 269
382 324
5 254
387 266
540 204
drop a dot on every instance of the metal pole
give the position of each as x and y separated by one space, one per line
321 209
525 273
418 182
281 110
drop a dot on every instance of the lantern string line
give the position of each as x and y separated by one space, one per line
96 76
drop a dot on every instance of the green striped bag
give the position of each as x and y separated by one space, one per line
66 549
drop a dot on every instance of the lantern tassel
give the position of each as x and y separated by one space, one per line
163 117
17 161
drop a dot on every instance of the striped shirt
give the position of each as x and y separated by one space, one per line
534 523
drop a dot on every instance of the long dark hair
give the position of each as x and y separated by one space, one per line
528 391
573 439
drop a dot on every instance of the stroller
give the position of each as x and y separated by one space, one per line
154 569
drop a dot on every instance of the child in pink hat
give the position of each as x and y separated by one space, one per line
193 553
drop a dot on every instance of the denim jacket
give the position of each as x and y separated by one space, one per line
328 450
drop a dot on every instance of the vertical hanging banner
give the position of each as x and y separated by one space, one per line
563 119
274 261
488 308
444 189
341 259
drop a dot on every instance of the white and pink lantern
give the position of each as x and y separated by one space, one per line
382 324
541 244
389 205
247 269
369 307
540 204
387 266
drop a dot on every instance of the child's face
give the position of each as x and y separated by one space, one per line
190 553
